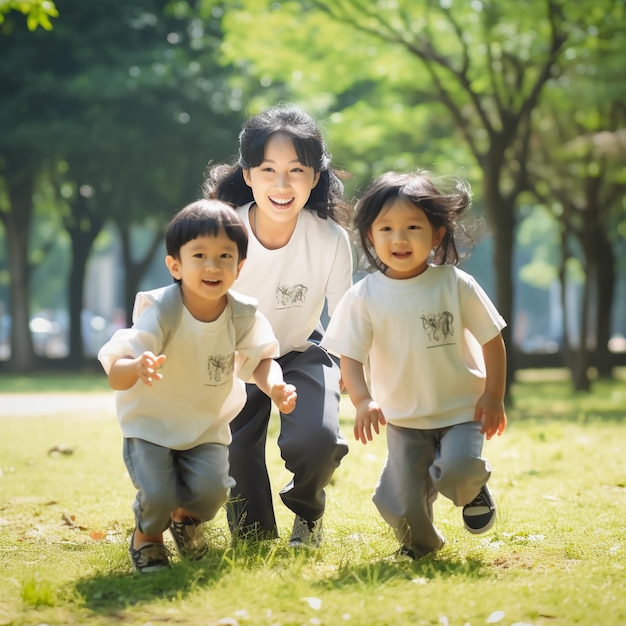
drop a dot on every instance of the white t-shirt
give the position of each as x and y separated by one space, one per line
201 391
291 283
423 339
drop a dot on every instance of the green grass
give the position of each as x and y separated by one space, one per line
78 382
556 556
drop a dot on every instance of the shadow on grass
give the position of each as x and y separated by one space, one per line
379 572
110 593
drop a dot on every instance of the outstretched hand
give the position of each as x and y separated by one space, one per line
147 366
284 397
369 416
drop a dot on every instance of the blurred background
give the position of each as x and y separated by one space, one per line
110 112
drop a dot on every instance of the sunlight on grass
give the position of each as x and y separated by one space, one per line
36 592
555 556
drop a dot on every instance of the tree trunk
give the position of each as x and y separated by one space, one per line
500 212
567 346
606 293
83 233
134 270
580 379
17 222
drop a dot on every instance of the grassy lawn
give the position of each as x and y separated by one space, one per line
556 555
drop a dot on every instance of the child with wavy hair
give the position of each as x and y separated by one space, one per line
422 352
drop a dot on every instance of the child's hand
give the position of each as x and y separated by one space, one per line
368 415
284 396
147 365
490 411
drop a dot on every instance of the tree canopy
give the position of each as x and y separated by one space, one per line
117 110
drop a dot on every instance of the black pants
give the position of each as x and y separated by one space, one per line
310 442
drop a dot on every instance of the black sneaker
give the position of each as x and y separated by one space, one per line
480 514
150 557
189 539
405 553
306 534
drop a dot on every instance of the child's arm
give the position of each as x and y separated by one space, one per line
368 413
268 377
126 371
490 406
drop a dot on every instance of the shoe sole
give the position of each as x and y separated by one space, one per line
482 529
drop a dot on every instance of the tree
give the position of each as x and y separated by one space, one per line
19 175
116 104
486 63
586 198
579 147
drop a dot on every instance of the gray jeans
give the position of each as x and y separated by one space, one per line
196 480
422 464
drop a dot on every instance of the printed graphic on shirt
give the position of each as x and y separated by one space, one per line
290 296
220 368
439 328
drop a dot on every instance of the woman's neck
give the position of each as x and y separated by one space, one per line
272 235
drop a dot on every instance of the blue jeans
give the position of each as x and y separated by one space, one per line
196 480
420 465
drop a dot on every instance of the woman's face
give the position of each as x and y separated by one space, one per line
281 185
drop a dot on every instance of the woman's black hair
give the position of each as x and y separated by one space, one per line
205 217
226 182
442 203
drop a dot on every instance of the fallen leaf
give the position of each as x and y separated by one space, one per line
70 520
60 449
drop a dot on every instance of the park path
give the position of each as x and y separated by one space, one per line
99 404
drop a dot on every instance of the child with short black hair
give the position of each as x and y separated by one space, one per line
421 351
179 375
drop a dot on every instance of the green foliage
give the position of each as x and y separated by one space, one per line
112 116
37 12
122 104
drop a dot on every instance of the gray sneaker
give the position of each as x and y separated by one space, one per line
480 514
150 557
306 534
189 539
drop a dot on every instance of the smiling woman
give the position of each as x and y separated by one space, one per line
291 201
281 186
